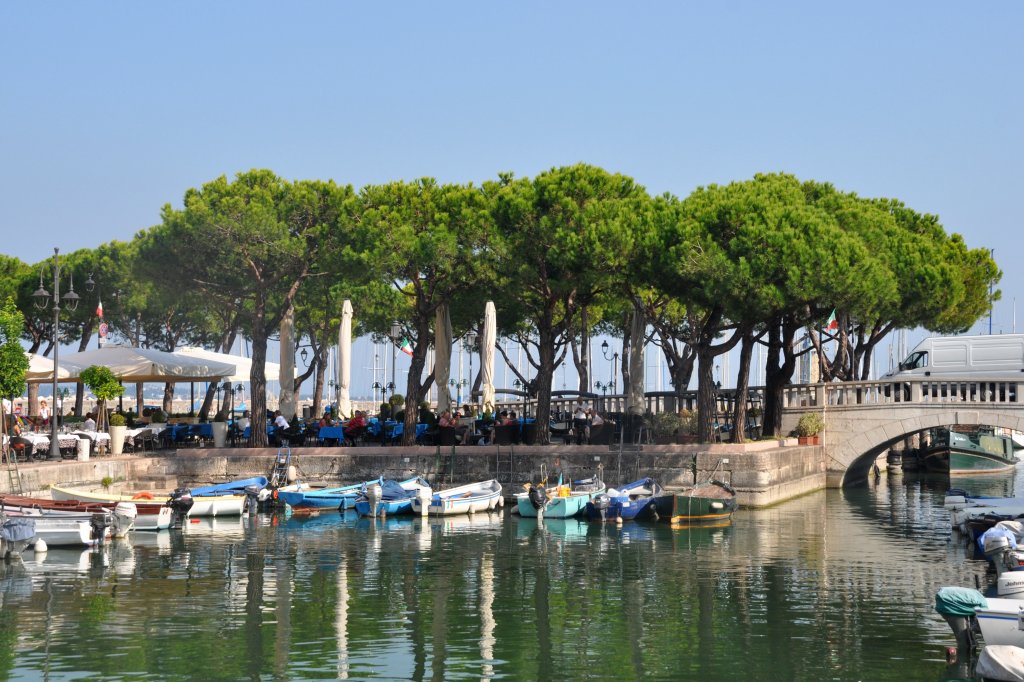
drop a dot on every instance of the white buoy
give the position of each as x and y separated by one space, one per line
618 520
40 546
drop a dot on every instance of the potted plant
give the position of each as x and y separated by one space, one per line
220 429
158 417
105 386
808 428
687 429
118 428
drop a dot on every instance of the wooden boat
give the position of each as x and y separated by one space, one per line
395 498
151 514
222 505
631 501
336 498
710 503
564 501
978 452
464 499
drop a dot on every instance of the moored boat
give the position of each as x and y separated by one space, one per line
978 452
151 515
563 501
631 501
391 497
710 503
120 517
221 505
464 499
337 498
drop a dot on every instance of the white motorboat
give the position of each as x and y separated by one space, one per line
70 532
464 499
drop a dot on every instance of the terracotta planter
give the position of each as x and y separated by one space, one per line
808 440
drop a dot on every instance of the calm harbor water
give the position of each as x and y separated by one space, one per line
835 585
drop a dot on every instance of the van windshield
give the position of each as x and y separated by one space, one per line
915 361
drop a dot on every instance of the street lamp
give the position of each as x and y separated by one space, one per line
304 354
614 359
603 387
377 387
43 298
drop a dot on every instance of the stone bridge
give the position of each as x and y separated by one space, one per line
864 419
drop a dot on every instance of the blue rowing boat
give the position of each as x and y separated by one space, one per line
396 498
631 501
339 498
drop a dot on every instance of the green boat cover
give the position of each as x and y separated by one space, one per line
959 601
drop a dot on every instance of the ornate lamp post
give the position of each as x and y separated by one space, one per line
614 359
377 387
396 338
44 298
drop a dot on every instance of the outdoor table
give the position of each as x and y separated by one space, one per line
336 433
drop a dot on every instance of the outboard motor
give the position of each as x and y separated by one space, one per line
957 606
181 504
602 502
252 500
423 497
374 494
538 495
99 523
125 514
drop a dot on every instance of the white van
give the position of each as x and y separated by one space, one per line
998 355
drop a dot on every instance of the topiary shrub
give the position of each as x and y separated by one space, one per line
118 419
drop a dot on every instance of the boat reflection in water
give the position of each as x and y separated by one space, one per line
836 584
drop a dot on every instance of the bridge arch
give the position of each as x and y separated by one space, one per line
864 419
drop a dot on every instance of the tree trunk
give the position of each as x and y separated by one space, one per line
705 394
168 401
258 390
739 416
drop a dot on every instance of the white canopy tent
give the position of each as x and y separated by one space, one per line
40 368
138 364
243 366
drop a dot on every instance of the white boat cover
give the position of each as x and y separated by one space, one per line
1001 662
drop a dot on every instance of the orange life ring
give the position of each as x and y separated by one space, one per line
143 495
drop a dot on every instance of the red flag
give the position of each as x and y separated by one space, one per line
99 309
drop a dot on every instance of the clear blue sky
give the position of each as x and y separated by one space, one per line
110 110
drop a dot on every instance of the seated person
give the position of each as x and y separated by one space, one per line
89 424
446 419
356 426
243 423
325 420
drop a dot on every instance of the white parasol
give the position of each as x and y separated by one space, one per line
345 360
487 343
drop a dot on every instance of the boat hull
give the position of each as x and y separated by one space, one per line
466 499
557 507
963 454
710 504
221 505
999 622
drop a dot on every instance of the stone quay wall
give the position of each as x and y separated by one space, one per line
763 473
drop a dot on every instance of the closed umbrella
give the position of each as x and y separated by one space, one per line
345 360
442 356
487 344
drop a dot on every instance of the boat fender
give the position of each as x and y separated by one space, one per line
143 495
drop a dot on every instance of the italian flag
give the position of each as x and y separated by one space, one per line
405 347
99 309
832 325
